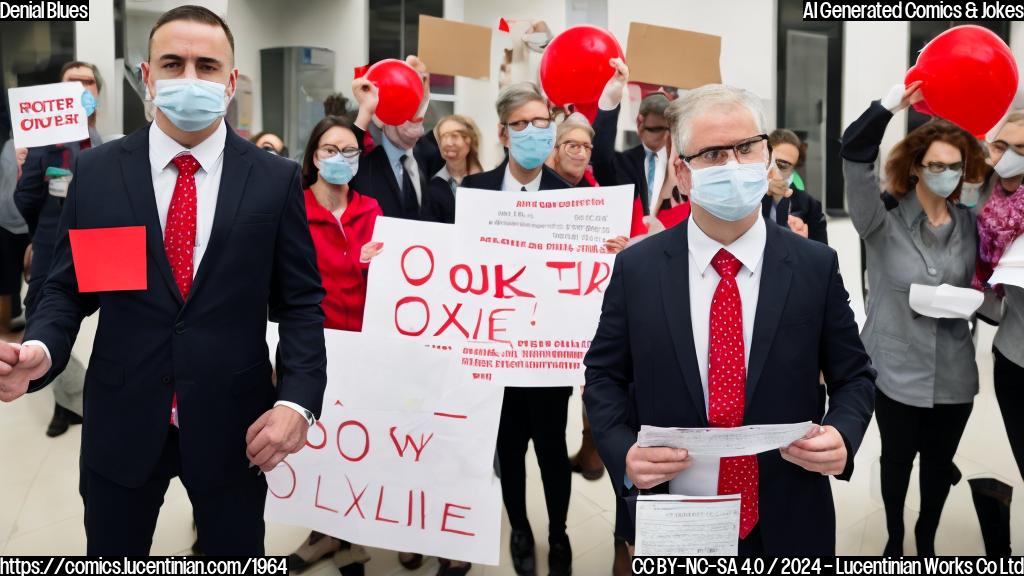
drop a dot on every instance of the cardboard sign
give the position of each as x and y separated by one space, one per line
109 259
516 287
455 48
390 466
48 114
672 57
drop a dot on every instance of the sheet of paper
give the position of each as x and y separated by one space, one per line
1013 255
944 301
47 114
725 442
455 48
669 525
650 59
1014 276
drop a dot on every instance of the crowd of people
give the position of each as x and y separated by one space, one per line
708 173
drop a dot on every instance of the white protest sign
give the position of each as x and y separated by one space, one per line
48 114
520 316
391 466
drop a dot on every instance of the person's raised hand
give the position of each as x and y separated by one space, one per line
366 94
20 365
901 97
612 94
648 467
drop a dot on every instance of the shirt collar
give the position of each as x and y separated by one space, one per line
748 248
660 154
510 182
394 152
163 149
443 174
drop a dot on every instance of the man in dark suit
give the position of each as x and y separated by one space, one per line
39 197
179 382
785 204
748 315
526 129
396 172
644 166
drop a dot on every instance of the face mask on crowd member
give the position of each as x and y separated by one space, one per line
336 156
190 73
88 76
941 169
526 127
1006 152
729 180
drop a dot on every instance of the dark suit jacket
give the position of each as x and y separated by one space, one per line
211 349
613 168
377 180
438 202
492 179
642 359
802 205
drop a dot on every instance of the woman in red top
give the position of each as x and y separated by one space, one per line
340 220
341 224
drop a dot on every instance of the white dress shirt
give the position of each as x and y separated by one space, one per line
210 155
511 184
660 168
701 479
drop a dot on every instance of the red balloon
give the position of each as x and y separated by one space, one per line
399 90
574 68
969 77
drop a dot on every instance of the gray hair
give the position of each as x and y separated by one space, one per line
656 103
575 121
515 96
682 111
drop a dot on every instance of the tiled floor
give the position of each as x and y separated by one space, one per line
41 513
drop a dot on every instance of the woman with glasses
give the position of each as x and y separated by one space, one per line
459 141
927 376
341 223
785 204
574 143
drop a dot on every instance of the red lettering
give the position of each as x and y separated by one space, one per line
493 331
366 441
380 503
418 449
595 282
294 484
447 514
24 107
485 282
423 510
560 266
323 442
426 309
501 283
452 320
355 499
69 103
426 277
316 500
26 124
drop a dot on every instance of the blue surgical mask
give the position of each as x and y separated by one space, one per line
191 104
531 146
339 170
731 191
89 103
944 183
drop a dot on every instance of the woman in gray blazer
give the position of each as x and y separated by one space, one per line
927 376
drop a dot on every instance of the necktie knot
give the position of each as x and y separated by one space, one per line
726 264
187 164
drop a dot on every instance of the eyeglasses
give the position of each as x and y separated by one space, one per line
539 122
783 165
271 149
939 167
574 147
453 136
654 129
749 151
330 150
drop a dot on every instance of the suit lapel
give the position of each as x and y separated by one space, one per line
639 155
138 183
675 290
232 187
775 278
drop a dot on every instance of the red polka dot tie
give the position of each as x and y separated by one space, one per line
180 234
727 378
